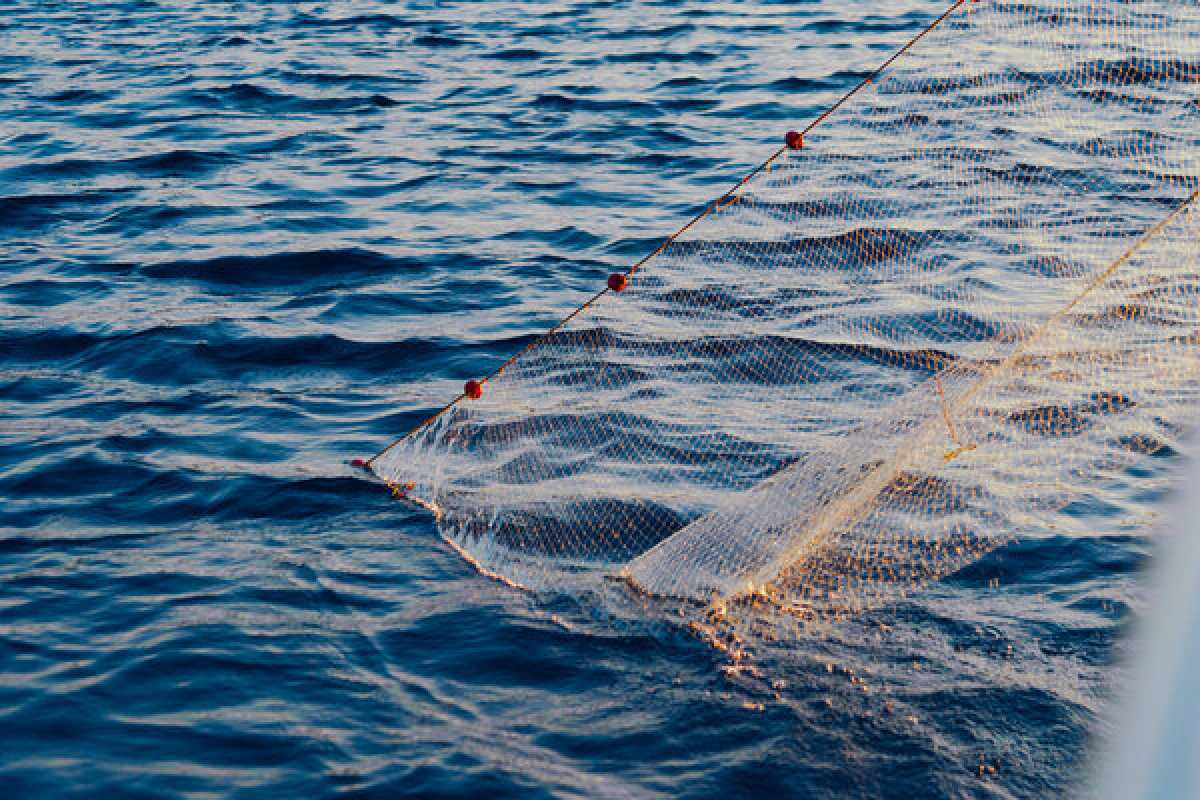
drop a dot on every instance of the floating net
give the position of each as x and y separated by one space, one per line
965 299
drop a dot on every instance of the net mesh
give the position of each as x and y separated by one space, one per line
965 303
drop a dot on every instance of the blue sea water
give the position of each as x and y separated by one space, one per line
242 243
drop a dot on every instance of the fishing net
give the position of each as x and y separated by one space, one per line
968 300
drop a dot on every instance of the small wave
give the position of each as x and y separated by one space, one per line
285 271
257 99
518 54
32 212
436 41
182 163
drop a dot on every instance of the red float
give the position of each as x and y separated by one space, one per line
794 140
473 389
617 282
358 462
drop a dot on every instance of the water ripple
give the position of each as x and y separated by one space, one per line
242 242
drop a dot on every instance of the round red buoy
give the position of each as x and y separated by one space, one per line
617 282
358 462
794 140
473 389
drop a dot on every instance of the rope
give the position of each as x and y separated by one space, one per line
708 209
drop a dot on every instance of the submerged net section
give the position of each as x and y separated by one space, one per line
968 300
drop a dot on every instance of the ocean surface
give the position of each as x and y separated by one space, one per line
242 243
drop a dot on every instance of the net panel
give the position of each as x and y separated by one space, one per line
969 298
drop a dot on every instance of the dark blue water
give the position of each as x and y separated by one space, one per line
241 243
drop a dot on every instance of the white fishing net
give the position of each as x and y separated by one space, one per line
968 300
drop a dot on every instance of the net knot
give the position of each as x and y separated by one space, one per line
950 455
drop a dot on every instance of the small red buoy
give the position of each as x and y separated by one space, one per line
794 140
617 282
473 389
358 462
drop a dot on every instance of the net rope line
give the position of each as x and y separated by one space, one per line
714 205
856 502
